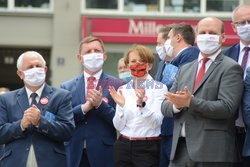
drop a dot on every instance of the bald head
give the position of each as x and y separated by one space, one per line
241 13
211 23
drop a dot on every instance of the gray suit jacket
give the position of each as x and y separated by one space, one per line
209 121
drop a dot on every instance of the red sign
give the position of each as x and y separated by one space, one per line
121 30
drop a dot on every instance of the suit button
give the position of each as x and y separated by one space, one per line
86 123
27 149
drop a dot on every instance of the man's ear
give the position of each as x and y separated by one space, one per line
45 69
178 37
233 27
223 38
20 74
80 58
105 56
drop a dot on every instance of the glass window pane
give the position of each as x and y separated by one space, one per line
102 4
32 3
222 5
182 6
141 5
3 3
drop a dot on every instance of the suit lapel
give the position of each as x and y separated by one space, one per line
46 95
237 52
192 75
80 89
22 99
210 70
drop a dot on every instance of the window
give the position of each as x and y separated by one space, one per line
141 5
33 3
222 6
181 6
3 3
102 4
8 58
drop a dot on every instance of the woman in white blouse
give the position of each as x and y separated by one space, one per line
138 115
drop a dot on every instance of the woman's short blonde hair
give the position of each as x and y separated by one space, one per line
144 52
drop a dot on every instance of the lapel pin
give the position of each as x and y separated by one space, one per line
44 101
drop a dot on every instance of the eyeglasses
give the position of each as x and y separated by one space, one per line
242 23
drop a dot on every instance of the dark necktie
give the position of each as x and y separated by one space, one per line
200 73
245 58
33 99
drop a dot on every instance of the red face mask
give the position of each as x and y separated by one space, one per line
138 70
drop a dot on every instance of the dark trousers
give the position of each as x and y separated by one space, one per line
240 138
84 160
166 144
182 159
136 153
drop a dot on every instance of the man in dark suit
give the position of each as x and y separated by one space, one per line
246 116
240 53
93 107
204 119
36 119
182 39
167 123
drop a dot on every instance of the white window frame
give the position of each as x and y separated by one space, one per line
161 13
12 8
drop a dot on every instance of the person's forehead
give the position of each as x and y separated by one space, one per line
31 57
242 13
92 45
209 24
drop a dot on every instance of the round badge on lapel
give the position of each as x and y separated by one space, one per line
105 99
44 101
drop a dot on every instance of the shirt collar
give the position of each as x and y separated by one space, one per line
38 91
242 46
212 57
97 75
181 51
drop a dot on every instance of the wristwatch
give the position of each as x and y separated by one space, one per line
143 104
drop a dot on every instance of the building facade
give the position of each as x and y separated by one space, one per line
54 29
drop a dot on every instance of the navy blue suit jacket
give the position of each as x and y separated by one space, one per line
48 139
187 55
246 113
233 51
96 127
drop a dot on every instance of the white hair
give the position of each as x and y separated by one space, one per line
19 62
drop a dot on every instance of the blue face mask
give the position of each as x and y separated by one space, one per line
125 75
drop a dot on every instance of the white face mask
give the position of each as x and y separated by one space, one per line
244 32
34 76
93 61
207 43
168 47
160 52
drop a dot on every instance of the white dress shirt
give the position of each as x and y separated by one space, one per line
134 121
38 92
208 63
241 54
31 160
97 77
